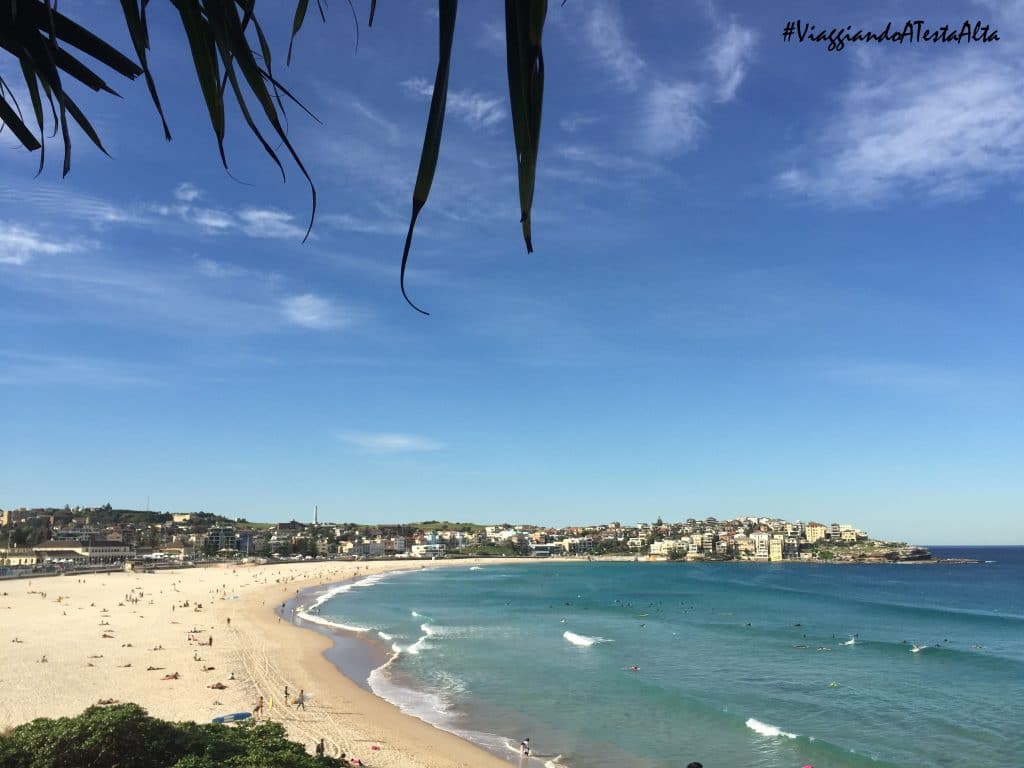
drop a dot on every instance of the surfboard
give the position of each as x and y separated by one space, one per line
233 717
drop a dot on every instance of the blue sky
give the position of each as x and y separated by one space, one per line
768 279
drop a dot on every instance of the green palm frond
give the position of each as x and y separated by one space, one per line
524 25
232 58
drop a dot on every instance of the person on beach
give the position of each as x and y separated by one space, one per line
524 747
300 701
320 748
258 707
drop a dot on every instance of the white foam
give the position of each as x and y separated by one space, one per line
317 619
476 568
584 640
767 730
425 705
851 641
385 636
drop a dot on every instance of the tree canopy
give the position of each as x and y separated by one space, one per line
124 735
233 61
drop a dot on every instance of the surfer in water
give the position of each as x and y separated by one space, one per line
634 668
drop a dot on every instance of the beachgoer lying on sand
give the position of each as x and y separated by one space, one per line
217 686
125 665
171 676
107 701
154 669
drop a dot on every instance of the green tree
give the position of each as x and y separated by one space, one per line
125 736
233 61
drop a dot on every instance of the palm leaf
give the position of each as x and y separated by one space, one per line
9 116
524 25
435 126
135 19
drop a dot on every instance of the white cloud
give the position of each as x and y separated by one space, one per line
389 442
603 31
475 109
217 269
728 59
62 200
187 192
311 311
258 222
671 117
573 123
942 129
210 219
350 223
19 245
603 160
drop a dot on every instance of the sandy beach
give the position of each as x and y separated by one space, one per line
73 641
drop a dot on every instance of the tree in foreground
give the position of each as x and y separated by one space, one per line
123 735
234 61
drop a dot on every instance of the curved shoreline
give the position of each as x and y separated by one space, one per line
404 738
72 641
344 639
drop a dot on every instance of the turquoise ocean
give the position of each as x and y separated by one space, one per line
740 665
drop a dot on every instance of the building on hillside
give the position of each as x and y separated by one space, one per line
762 543
815 532
668 547
427 550
775 547
576 544
791 548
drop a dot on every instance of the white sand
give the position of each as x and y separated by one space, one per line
68 625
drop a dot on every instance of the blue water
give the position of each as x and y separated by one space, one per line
732 666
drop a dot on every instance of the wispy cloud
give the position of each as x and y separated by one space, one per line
29 369
728 58
389 442
311 311
209 219
672 119
474 109
942 128
575 122
260 222
350 223
604 31
187 192
217 269
603 160
18 245
671 109
62 200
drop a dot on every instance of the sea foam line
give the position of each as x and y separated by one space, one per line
767 730
584 641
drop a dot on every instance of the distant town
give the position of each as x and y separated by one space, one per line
74 537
